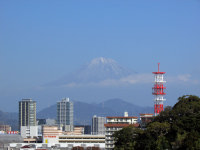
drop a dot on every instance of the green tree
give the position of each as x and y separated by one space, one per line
124 139
153 137
175 128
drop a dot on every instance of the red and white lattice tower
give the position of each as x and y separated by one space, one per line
158 91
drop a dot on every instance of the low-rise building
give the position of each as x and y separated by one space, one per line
5 128
145 119
53 136
29 131
50 134
87 128
97 139
44 122
76 131
115 124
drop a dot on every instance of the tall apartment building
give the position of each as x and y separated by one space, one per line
27 112
115 124
98 127
27 118
65 113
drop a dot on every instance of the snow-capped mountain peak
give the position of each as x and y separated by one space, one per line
104 68
99 70
102 60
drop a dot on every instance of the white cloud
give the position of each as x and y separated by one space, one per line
184 77
132 80
129 80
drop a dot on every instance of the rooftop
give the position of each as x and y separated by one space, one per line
146 114
121 125
9 138
122 117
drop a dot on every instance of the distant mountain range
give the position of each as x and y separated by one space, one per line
8 118
99 79
99 72
83 112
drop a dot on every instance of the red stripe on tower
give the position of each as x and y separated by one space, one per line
158 91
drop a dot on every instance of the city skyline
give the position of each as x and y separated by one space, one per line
45 41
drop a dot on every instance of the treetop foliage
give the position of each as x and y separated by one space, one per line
176 128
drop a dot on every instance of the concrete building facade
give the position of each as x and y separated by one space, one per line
53 136
50 134
115 124
98 127
65 115
27 118
87 128
27 112
29 131
145 119
5 128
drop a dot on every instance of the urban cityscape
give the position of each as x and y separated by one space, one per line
99 75
62 133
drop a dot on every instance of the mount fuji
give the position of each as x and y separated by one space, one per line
100 71
100 79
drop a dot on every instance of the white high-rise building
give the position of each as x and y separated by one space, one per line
98 125
27 118
65 115
27 112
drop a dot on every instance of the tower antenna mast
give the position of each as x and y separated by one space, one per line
158 91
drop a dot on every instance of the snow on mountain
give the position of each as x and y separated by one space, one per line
102 68
100 71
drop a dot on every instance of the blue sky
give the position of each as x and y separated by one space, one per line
41 41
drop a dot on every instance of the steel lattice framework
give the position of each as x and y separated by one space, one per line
158 91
